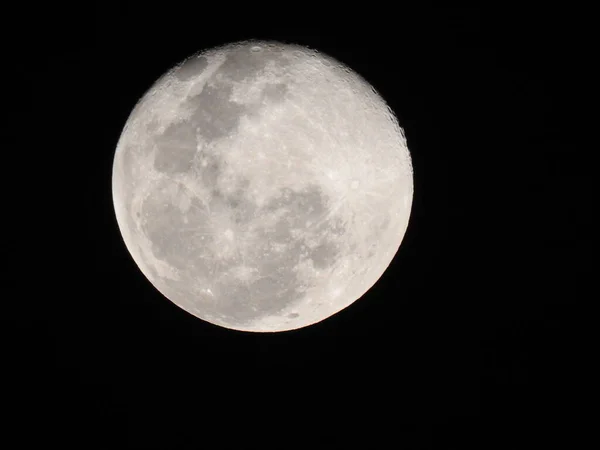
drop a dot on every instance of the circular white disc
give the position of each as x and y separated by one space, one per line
262 186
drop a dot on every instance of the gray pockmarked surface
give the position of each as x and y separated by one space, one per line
262 186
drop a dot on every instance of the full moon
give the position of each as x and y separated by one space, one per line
262 186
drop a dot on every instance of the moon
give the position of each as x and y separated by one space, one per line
262 186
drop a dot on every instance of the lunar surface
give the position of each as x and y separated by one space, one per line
262 186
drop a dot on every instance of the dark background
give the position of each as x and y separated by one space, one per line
472 338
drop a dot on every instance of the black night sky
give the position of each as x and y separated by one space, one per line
473 336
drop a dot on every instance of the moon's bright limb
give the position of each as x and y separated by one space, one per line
262 186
